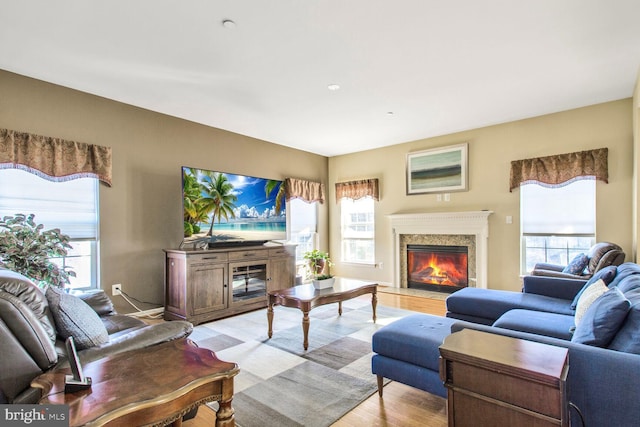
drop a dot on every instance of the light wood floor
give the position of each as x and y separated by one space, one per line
401 405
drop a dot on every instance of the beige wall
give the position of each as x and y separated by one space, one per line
491 150
636 163
141 213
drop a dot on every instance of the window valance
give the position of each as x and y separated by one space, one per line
561 169
357 189
54 159
307 191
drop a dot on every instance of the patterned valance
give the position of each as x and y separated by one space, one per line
357 189
307 191
560 170
53 158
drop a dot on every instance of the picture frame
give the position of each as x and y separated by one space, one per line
438 170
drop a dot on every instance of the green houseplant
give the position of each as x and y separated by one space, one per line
317 261
26 248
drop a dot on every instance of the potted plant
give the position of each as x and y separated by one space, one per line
318 260
26 249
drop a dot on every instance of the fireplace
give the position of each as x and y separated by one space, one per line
470 229
437 267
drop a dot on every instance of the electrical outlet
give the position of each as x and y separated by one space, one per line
116 289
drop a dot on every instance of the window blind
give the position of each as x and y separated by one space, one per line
71 206
562 210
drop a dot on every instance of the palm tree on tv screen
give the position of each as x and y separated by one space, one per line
217 198
193 211
269 187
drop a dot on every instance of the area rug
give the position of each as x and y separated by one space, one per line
281 384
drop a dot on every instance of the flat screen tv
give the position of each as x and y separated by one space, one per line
227 209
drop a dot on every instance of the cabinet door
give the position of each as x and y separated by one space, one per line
207 288
282 273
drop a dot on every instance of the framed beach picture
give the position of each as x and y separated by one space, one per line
438 170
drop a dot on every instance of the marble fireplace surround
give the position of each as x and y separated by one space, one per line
469 229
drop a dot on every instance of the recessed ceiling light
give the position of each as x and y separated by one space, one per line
389 113
228 23
333 87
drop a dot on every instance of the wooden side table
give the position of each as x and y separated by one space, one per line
496 380
155 385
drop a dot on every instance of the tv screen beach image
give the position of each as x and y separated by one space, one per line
227 207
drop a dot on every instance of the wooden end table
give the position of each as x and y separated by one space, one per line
306 297
495 380
155 385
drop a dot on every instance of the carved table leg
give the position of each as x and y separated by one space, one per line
305 329
225 417
339 308
270 316
374 303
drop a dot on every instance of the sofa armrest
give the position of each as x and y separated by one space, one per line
548 267
595 380
555 287
99 301
138 338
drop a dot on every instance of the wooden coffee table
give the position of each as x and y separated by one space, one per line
306 297
155 385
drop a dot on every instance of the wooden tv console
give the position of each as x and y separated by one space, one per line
207 284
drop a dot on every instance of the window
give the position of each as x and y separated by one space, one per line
556 223
302 217
358 230
71 206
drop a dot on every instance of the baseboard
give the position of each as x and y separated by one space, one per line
145 313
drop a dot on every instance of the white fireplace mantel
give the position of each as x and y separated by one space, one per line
455 223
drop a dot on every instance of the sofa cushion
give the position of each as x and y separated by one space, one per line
628 338
414 339
588 297
606 274
537 322
492 303
602 320
623 271
74 317
629 284
577 265
28 292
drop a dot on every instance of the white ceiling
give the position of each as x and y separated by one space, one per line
438 66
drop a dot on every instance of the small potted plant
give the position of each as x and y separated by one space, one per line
318 260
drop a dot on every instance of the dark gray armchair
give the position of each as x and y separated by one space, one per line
600 255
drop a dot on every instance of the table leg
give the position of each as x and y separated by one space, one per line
225 417
270 316
305 329
374 303
339 308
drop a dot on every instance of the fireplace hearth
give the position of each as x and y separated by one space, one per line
442 268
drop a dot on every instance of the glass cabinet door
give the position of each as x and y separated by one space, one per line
248 281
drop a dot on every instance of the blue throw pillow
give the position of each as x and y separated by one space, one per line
602 320
607 275
628 339
577 264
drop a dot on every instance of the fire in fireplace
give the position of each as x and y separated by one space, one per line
437 267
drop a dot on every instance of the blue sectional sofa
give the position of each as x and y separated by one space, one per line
604 350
